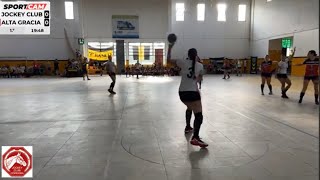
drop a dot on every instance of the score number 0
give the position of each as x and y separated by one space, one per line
46 18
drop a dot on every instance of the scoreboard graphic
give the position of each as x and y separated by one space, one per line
25 18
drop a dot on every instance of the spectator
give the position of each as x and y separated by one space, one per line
56 67
36 68
48 68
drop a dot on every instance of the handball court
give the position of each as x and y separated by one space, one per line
80 132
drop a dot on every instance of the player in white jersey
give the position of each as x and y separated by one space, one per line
191 72
282 74
111 69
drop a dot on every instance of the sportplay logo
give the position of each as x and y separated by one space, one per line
16 162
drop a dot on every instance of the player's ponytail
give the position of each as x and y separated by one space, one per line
192 54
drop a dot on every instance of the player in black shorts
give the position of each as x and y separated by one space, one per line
266 73
191 74
282 75
311 74
111 68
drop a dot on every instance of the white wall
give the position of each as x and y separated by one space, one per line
284 18
211 38
43 47
97 22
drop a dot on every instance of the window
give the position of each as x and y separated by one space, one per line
68 6
99 51
201 12
242 12
269 0
222 12
180 11
146 53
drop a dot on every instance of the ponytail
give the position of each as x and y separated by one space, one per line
192 53
193 67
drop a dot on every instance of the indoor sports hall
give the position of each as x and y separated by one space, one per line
159 89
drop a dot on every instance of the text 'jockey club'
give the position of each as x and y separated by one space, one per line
22 14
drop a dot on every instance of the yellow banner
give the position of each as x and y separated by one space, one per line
141 53
99 55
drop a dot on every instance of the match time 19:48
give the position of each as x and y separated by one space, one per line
37 30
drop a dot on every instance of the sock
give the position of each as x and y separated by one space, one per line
301 96
286 89
262 87
270 88
188 117
112 85
197 124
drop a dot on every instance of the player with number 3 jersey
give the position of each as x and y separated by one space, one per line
191 72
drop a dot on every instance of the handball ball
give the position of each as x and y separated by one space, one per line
172 38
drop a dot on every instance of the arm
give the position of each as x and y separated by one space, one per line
260 67
291 56
169 60
201 73
278 67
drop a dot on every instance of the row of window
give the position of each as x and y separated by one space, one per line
146 53
180 11
201 7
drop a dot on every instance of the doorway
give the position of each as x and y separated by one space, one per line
281 46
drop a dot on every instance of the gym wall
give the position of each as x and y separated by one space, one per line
284 18
97 18
211 38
